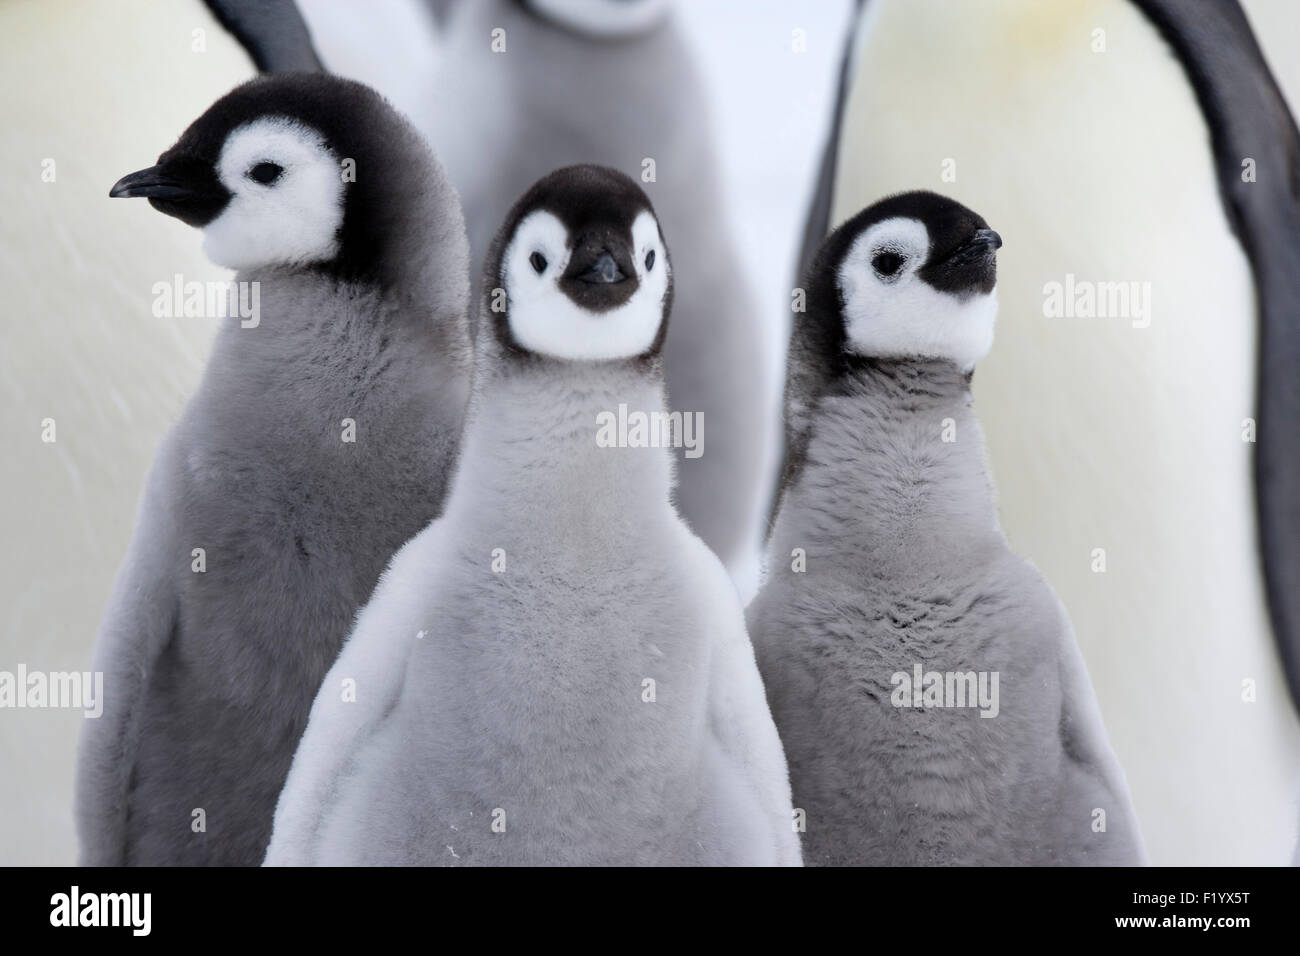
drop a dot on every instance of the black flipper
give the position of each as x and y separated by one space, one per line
816 227
818 223
272 31
1248 119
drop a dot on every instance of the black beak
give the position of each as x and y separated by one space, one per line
987 238
151 183
971 267
187 190
600 275
603 271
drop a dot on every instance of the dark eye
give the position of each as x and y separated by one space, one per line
265 173
649 260
887 263
538 262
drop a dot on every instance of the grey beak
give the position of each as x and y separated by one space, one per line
986 237
604 271
151 183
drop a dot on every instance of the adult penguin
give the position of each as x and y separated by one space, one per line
1147 448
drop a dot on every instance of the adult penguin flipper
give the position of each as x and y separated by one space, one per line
273 32
817 226
818 223
141 620
1257 162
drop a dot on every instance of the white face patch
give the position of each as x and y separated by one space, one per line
545 320
294 218
603 18
898 315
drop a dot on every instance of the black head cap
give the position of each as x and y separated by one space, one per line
961 258
961 261
597 207
355 123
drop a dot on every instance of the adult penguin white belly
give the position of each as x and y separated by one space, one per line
82 344
1117 442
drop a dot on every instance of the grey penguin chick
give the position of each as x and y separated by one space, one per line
924 678
556 671
321 439
643 110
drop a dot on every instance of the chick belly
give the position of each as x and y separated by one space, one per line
550 796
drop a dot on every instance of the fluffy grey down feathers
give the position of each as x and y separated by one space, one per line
209 676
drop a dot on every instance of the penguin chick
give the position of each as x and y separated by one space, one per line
644 110
924 678
557 670
320 439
